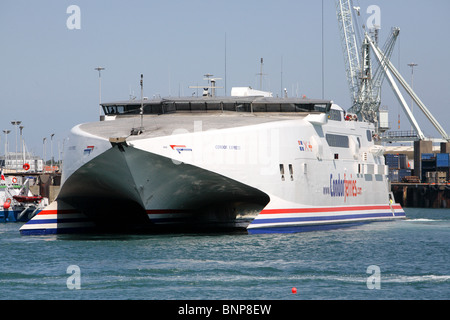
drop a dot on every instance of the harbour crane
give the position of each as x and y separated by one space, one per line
365 87
350 47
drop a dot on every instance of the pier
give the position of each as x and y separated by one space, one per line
423 182
422 195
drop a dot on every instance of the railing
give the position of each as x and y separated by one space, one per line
399 135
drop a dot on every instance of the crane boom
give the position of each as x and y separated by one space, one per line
349 45
388 69
401 99
388 48
365 87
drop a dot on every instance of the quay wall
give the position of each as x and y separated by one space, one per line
422 195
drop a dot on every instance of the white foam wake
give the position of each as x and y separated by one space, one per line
421 220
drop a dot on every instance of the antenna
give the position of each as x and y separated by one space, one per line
261 74
323 57
211 85
207 76
99 69
225 64
142 102
132 96
140 130
281 76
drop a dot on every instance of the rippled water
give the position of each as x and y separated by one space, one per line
412 256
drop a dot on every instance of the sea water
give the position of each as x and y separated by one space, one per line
408 259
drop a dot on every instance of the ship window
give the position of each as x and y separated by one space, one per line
243 107
158 106
282 171
335 115
273 107
259 107
198 106
131 109
287 107
153 109
183 106
214 106
369 135
112 110
169 107
335 140
306 108
322 107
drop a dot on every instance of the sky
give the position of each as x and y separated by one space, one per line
48 55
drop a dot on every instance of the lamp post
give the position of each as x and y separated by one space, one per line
43 152
16 124
99 69
51 150
6 132
22 145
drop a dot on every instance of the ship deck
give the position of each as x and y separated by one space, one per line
177 123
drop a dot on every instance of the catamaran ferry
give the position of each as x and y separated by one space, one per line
247 161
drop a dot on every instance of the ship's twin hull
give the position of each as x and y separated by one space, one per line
164 183
125 189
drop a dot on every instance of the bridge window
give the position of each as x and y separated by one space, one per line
335 115
369 135
339 141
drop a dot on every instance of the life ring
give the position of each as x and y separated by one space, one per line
26 167
14 180
7 204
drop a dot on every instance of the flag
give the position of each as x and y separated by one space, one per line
3 177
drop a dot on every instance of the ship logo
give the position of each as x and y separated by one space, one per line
304 145
179 148
88 150
343 188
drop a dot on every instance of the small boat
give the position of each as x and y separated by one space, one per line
28 199
17 203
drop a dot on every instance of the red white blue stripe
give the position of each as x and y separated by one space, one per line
56 219
277 220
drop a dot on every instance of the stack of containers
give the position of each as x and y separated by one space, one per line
435 167
443 165
398 167
429 167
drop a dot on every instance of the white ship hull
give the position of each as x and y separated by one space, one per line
262 172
